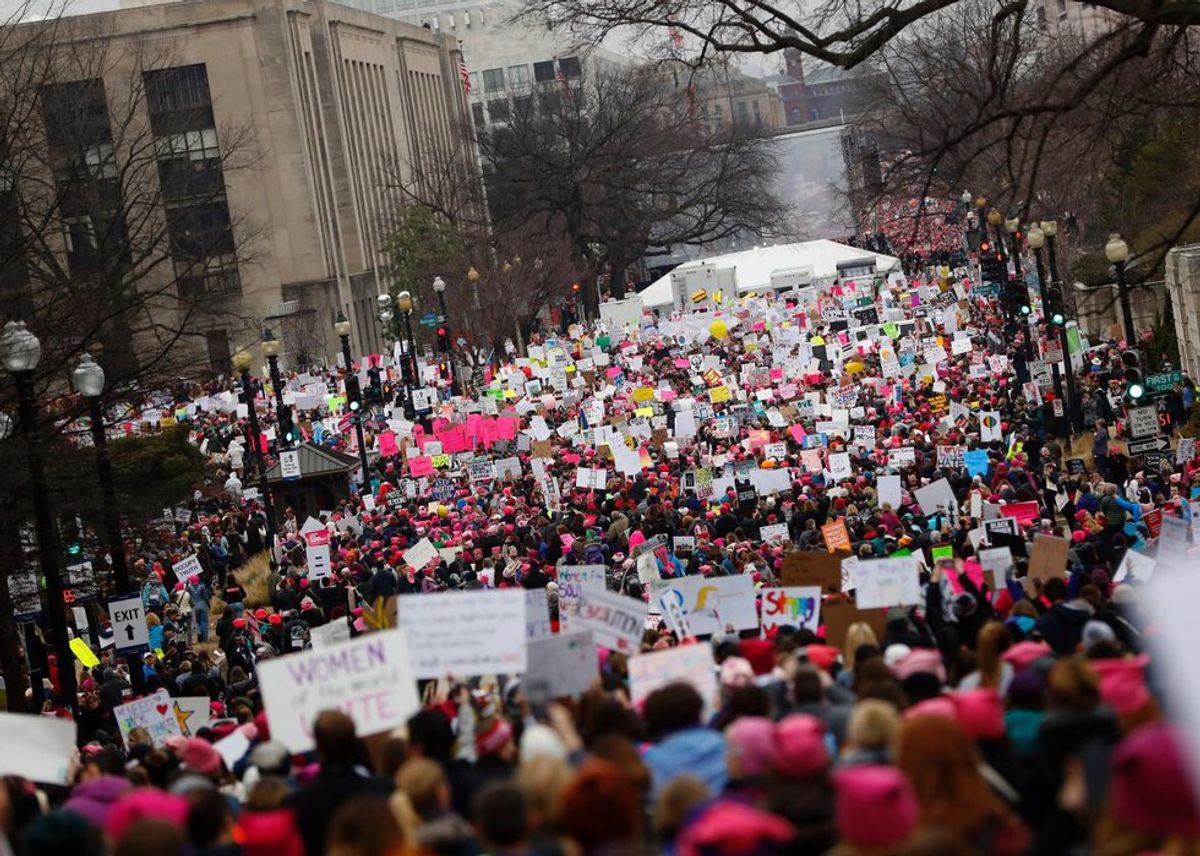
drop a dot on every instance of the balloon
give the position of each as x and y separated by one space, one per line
442 511
718 329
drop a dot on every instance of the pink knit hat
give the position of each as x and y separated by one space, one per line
1123 683
1151 788
1024 654
920 660
198 755
880 793
752 739
980 713
142 804
800 746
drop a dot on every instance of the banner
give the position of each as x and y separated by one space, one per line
464 634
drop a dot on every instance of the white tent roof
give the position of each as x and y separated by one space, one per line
754 267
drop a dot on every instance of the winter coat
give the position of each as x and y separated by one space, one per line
698 751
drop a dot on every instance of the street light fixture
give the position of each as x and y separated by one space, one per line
966 197
404 302
241 364
1117 252
283 414
20 352
341 326
1036 237
439 288
88 380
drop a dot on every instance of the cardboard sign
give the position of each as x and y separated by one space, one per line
998 560
837 539
464 634
369 678
617 622
796 606
152 718
709 604
562 665
420 554
1048 558
688 664
812 568
839 616
38 748
888 582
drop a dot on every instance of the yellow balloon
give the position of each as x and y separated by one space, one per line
718 329
442 511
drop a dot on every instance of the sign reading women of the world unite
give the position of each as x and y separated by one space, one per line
369 679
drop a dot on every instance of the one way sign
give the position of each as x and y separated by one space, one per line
129 624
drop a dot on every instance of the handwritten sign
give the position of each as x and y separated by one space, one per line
368 678
465 633
152 718
537 614
794 606
37 748
836 537
420 554
689 664
812 568
616 621
888 582
709 604
572 580
562 665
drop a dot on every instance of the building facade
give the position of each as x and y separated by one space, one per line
1183 286
821 92
330 109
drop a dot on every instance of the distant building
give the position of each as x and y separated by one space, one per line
1183 286
727 97
1058 18
325 98
821 92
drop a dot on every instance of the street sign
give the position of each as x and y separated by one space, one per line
1143 421
1153 444
1163 382
289 464
429 319
129 624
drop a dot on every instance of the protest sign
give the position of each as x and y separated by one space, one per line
572 579
537 614
837 539
709 604
688 664
838 617
38 748
562 665
329 634
464 634
617 622
369 678
999 561
889 491
420 554
812 568
188 567
888 582
775 532
796 606
935 495
1048 558
147 720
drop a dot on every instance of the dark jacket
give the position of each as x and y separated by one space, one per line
316 803
1062 627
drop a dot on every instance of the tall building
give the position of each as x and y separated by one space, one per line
1183 286
821 92
330 108
1063 18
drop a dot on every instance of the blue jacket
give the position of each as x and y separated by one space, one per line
697 751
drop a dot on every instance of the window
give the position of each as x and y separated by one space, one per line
757 114
743 113
79 235
200 231
474 81
498 110
193 145
182 88
493 80
477 114
543 71
218 350
216 275
569 66
518 77
100 161
522 104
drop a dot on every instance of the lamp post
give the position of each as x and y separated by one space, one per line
283 414
21 351
439 288
341 326
473 279
88 381
1117 252
996 220
1013 225
1037 240
404 302
1049 229
241 364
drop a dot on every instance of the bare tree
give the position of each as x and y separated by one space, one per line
624 166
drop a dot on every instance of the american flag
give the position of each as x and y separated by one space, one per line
465 74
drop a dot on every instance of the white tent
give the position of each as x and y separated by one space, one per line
755 267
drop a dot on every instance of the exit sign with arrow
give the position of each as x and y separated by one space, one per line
129 623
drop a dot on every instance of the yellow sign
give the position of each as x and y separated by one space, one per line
84 654
718 394
643 393
644 411
440 460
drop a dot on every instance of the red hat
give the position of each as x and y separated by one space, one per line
239 623
822 656
494 736
1151 788
1123 683
260 614
884 795
980 713
275 619
760 653
800 745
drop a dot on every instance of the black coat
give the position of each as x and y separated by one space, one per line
316 803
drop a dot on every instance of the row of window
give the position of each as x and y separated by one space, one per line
516 77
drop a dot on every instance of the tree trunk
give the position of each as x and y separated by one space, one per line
616 280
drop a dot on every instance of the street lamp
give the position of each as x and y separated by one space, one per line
241 364
1012 225
1117 252
439 288
404 302
966 198
1049 230
88 381
283 414
341 326
473 279
21 351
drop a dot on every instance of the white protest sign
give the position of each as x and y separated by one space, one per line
562 665
153 717
792 606
232 748
189 567
689 664
888 582
328 635
889 491
289 464
464 634
420 554
38 748
617 622
774 532
369 679
572 580
999 561
710 603
537 614
935 495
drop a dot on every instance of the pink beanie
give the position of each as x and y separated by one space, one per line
1151 788
880 793
980 713
1123 683
142 804
752 740
1024 654
800 746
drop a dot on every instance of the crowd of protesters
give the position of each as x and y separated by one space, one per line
1022 718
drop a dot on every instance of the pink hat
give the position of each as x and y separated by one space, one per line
727 827
736 672
1123 683
937 706
1151 788
144 804
881 793
193 579
980 713
199 756
752 739
800 749
1024 654
920 660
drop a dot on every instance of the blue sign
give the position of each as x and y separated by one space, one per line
443 489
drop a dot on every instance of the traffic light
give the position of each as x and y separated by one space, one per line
1135 387
287 428
1055 309
353 393
443 339
374 386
